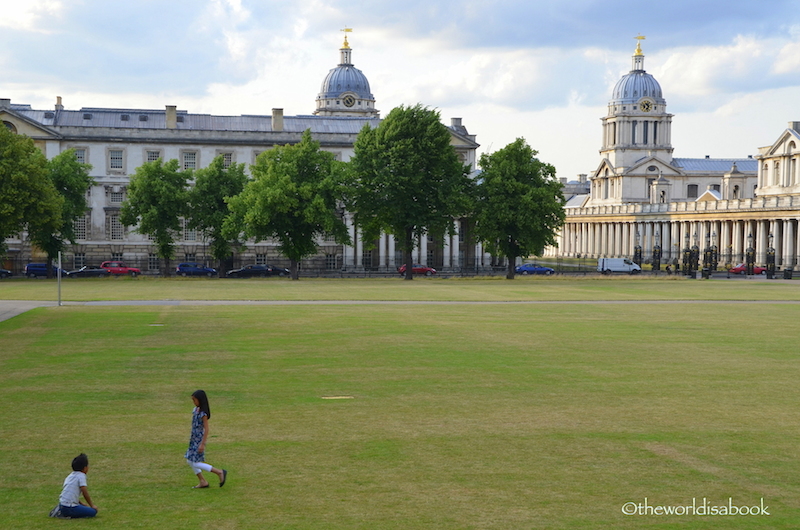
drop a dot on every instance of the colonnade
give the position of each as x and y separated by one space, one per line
598 238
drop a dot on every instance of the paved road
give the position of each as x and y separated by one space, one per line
12 308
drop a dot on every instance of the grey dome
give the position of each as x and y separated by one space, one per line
345 78
636 85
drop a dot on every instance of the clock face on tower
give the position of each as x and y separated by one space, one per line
348 100
646 106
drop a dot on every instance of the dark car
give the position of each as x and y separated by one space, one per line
5 273
33 270
742 269
530 268
89 272
249 271
417 269
194 269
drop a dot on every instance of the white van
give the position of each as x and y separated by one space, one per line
609 265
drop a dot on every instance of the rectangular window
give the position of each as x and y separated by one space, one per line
366 259
115 159
715 187
152 156
330 262
429 262
190 256
261 259
227 160
633 133
691 191
116 256
114 229
189 160
80 155
79 260
152 262
189 234
116 197
645 131
79 227
655 132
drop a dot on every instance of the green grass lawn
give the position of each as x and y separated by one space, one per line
497 416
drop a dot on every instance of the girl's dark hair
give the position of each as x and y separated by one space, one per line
80 462
203 400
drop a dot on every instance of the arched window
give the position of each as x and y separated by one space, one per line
633 133
10 126
776 174
736 192
645 132
662 198
655 132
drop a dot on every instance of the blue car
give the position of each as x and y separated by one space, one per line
194 269
530 268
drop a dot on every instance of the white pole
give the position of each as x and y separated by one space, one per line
58 273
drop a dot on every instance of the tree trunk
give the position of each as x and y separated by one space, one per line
166 268
295 274
512 267
407 254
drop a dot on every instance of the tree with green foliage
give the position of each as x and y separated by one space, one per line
293 198
208 208
71 180
519 207
405 179
28 199
156 202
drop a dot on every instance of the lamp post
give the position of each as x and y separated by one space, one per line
771 258
637 251
687 256
695 255
657 253
749 256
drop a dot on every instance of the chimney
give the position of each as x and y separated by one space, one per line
59 106
582 178
277 120
455 122
563 180
794 125
172 117
5 103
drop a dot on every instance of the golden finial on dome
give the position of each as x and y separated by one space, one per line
346 30
639 38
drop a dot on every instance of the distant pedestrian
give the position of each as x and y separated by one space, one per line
69 504
669 270
195 455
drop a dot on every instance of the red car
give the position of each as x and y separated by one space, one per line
417 269
742 269
118 267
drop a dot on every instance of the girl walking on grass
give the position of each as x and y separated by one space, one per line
197 441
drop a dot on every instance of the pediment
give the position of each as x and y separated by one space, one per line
709 195
459 140
601 169
26 126
644 167
781 144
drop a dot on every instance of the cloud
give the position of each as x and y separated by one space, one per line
30 15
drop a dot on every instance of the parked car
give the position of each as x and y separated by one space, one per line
417 269
33 270
119 267
5 273
194 269
89 272
742 269
609 265
249 271
530 268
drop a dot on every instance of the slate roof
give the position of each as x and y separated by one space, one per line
716 165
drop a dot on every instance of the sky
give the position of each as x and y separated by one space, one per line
542 70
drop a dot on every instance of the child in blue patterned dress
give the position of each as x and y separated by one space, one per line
197 441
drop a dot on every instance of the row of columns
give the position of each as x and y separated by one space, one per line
387 247
732 237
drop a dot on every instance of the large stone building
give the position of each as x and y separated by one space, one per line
641 194
116 141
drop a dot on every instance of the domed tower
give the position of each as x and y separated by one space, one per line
637 124
345 90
